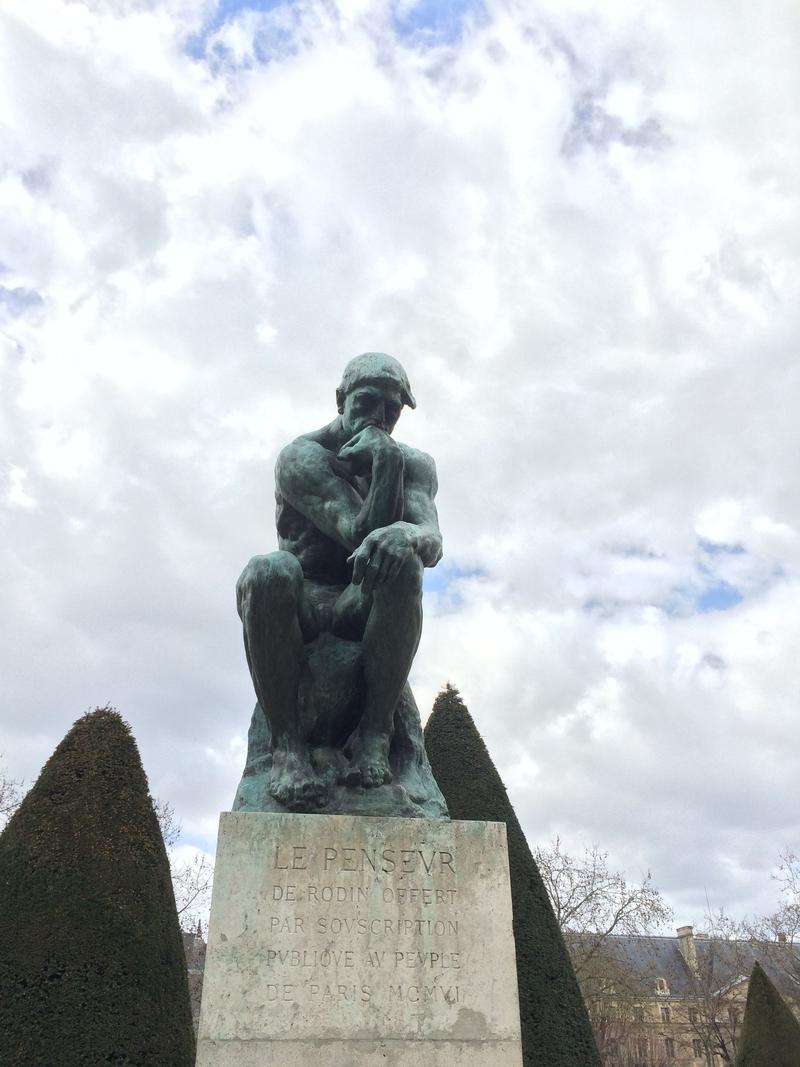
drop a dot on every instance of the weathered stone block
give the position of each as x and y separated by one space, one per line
341 940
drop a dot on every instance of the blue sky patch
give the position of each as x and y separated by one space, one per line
226 11
425 22
15 302
205 844
439 579
718 597
717 548
717 594
437 21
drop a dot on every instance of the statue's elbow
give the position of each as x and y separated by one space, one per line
436 553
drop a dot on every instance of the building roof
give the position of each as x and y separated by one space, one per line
720 963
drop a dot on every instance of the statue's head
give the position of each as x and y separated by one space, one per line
373 390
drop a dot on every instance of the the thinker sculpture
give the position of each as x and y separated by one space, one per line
332 621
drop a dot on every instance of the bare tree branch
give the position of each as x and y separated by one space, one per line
192 877
192 881
594 902
170 826
11 792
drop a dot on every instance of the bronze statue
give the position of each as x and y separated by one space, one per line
332 621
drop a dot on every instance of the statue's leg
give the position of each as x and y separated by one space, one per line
269 597
391 637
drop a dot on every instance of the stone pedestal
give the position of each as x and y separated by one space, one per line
341 941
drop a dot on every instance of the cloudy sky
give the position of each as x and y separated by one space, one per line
576 224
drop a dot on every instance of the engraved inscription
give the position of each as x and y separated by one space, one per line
415 994
378 912
337 925
359 894
354 860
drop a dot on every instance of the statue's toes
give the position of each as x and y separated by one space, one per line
375 774
368 776
305 795
315 794
281 791
297 799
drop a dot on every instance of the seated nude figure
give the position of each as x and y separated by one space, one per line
356 526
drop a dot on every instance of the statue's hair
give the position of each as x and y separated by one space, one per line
370 368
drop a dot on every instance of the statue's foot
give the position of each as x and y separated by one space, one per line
369 761
293 782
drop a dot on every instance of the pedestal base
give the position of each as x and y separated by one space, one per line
337 941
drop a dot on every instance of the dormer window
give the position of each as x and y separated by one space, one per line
662 989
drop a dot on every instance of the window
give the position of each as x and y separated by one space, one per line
665 1013
638 1014
694 1016
733 1015
697 1048
669 1046
661 987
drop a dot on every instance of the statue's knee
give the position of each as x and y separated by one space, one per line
276 578
409 578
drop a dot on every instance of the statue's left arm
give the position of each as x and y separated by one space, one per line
417 532
419 511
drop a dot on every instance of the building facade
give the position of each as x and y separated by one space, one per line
676 1001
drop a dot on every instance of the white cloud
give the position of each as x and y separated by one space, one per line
578 230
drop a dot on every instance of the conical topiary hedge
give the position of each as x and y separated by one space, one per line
92 969
770 1033
555 1026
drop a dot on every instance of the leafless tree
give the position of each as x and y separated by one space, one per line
787 919
11 792
167 821
592 902
784 923
193 878
779 932
718 983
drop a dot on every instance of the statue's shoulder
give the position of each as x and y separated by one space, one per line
304 453
419 466
416 457
307 444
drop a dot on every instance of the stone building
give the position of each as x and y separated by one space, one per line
678 1001
195 948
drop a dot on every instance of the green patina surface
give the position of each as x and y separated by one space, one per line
332 621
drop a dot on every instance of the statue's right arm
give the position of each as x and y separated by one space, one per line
306 479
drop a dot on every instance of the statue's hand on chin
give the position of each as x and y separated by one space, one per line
364 447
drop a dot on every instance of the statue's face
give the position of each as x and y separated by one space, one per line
376 404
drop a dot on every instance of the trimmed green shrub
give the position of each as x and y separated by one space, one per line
770 1033
555 1026
92 969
